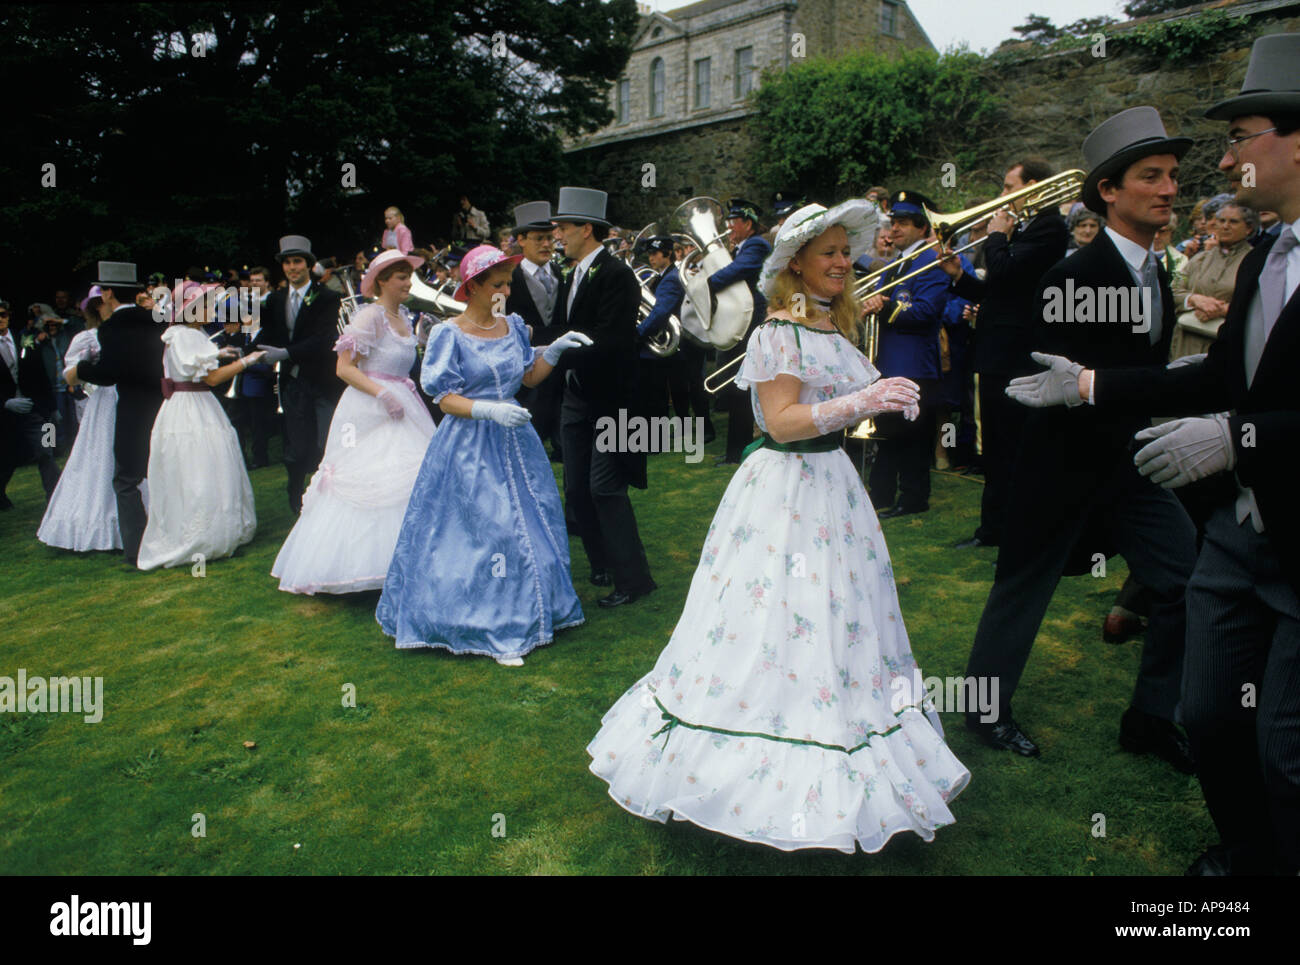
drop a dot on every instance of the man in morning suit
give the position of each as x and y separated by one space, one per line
1016 256
131 358
299 332
534 289
1074 482
747 257
599 298
911 316
1241 702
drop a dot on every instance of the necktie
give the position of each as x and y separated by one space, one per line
7 351
295 304
544 277
1151 280
1266 308
573 291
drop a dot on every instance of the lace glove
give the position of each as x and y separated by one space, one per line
1185 450
883 395
19 406
392 405
1187 360
503 413
1059 385
566 341
274 354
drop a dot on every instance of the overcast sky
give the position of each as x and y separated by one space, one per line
982 25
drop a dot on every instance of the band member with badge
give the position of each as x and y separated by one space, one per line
599 298
912 315
654 371
299 332
534 288
747 257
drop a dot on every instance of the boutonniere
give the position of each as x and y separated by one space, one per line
29 341
591 272
311 296
566 271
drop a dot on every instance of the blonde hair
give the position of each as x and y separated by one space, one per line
401 218
845 310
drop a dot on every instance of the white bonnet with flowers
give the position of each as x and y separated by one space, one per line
860 219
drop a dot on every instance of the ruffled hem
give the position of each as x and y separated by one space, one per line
80 536
528 648
787 794
359 585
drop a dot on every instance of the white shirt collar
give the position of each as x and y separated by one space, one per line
532 267
122 306
1129 250
583 265
912 247
302 292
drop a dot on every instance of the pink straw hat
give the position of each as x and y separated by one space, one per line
381 262
477 261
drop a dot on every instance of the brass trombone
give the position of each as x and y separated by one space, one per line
1025 203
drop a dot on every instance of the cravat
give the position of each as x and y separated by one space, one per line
1266 308
1151 280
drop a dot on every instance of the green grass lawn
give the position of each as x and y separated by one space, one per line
412 779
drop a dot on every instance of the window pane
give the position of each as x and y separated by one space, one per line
744 80
624 100
703 77
657 87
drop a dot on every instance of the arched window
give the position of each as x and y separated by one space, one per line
657 86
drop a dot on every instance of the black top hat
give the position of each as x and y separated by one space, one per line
1120 140
291 245
1272 84
533 216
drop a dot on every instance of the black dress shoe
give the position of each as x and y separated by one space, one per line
973 543
1117 627
898 511
1004 735
619 597
602 578
1142 733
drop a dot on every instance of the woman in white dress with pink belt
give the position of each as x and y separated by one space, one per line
200 499
353 509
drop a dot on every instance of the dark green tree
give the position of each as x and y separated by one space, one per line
1145 8
199 133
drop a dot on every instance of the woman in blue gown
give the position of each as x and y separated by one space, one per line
482 559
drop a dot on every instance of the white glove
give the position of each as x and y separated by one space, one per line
1187 360
1185 450
565 342
883 395
274 354
503 413
1059 385
392 405
19 406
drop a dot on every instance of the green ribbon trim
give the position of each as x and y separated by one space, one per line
675 721
827 443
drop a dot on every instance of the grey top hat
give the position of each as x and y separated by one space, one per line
581 206
533 216
291 245
117 274
1272 83
1120 140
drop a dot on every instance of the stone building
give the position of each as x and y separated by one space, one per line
681 102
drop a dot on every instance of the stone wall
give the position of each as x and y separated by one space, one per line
1052 102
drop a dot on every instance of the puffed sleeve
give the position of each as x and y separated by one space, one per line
519 332
84 345
190 354
774 349
363 331
440 374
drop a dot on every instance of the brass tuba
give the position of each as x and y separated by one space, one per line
662 344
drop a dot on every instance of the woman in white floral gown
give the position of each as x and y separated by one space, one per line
200 499
783 710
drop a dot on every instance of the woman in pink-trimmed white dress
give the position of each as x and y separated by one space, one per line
353 509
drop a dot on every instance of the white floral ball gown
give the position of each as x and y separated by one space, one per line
200 499
353 509
778 711
82 514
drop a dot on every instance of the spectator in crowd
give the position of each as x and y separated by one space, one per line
1195 241
354 271
1269 227
327 272
28 407
1173 259
396 234
51 342
1084 226
64 307
469 223
1202 293
881 198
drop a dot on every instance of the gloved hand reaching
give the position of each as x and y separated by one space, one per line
274 354
1059 385
1185 450
562 344
19 406
883 395
392 405
503 413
